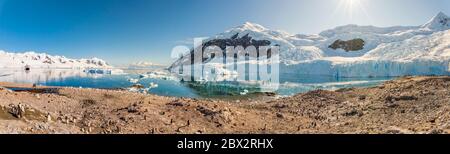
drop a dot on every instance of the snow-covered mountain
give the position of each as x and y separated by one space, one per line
351 50
438 22
143 65
43 60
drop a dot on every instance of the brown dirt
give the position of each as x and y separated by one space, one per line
406 105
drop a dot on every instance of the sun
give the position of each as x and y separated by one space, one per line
352 3
351 7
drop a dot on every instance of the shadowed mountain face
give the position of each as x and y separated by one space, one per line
350 45
245 41
234 41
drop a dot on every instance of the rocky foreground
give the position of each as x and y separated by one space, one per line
406 105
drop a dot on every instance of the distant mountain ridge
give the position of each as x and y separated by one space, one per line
143 65
43 60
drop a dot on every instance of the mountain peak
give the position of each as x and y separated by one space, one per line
439 22
252 26
441 14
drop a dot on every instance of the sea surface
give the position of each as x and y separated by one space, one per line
289 83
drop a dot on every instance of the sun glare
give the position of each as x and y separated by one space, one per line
350 3
351 7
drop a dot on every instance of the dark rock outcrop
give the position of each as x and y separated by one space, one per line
244 41
350 45
234 41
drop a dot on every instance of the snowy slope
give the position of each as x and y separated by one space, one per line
419 55
438 22
434 46
387 51
42 60
258 32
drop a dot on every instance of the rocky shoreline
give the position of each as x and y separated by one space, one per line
406 105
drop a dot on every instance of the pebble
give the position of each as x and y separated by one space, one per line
279 115
49 118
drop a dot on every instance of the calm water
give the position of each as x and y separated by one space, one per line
289 83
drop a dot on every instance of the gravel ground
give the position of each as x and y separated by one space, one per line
406 105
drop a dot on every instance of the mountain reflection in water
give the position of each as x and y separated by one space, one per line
290 84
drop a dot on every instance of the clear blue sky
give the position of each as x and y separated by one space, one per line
123 31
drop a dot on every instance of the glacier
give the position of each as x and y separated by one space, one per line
387 51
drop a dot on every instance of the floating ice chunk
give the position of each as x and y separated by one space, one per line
245 92
133 80
157 75
153 85
102 71
142 76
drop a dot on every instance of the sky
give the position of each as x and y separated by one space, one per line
126 31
